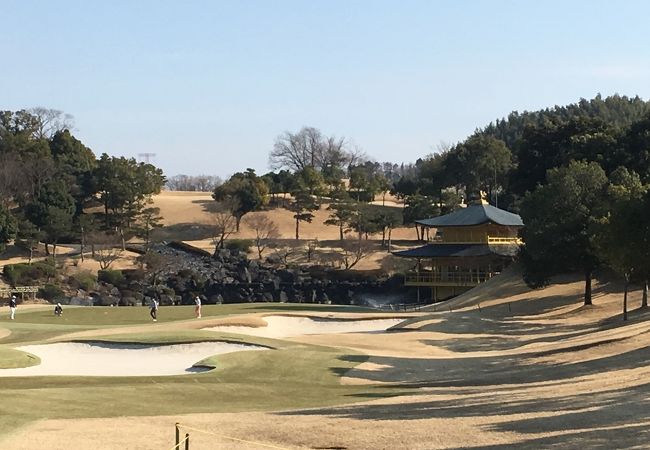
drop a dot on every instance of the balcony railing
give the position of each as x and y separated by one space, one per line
493 240
503 240
464 278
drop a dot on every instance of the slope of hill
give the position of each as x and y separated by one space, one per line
187 212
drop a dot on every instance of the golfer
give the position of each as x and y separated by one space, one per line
58 310
12 307
154 309
197 307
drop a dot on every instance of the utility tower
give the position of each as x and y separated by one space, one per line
146 157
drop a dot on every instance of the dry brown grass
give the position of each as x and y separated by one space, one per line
502 366
192 207
545 372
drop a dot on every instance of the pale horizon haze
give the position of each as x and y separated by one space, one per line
208 86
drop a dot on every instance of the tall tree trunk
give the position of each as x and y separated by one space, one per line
644 299
47 249
383 237
83 244
122 239
627 284
588 287
297 228
390 231
417 232
341 231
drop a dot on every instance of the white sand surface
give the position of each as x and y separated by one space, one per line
102 359
289 326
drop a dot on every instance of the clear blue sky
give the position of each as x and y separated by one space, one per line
208 85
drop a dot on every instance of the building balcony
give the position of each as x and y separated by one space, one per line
504 240
490 240
464 278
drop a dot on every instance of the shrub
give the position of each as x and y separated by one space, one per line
23 273
131 275
241 245
83 280
50 292
114 277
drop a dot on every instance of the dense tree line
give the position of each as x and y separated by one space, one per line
49 180
312 170
578 174
510 157
193 183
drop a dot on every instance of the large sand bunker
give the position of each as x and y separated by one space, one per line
289 326
109 359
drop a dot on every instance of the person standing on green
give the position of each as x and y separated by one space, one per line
154 309
197 307
12 307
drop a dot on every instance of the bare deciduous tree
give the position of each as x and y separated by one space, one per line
265 230
308 148
198 183
356 156
296 151
311 249
285 249
222 225
354 250
155 263
107 249
49 121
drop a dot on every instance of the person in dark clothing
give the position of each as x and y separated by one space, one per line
58 310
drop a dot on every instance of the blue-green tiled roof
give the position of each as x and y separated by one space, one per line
474 215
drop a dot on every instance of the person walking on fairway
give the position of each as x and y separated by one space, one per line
12 307
197 307
58 310
154 309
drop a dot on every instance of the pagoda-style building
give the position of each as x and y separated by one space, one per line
470 246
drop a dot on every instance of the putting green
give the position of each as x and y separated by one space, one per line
287 376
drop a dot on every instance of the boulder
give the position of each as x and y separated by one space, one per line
81 301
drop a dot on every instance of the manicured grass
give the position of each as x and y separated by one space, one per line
286 376
295 376
10 358
109 316
23 333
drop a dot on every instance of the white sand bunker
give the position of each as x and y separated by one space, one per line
288 326
109 359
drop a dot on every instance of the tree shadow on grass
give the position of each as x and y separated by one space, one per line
585 420
458 373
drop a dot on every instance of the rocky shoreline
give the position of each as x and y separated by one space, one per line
230 277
